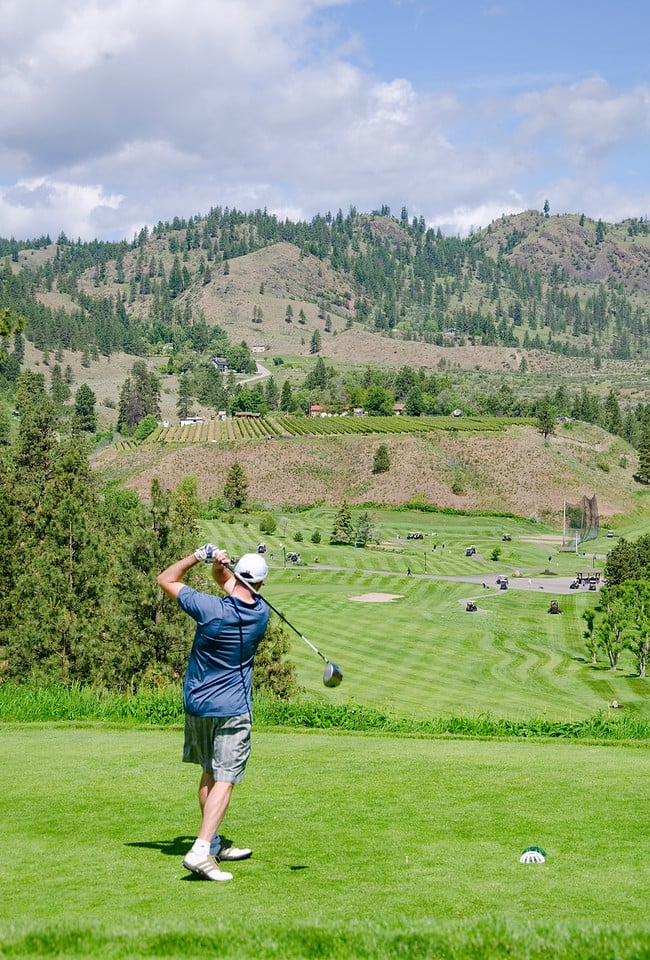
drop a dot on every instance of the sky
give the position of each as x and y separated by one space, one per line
118 114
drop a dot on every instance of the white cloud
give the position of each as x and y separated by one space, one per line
42 206
586 117
115 114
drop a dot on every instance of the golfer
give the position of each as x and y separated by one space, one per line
217 690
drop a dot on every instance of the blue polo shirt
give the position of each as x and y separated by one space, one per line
219 673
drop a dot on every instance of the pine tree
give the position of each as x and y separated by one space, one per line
643 473
148 636
315 342
184 401
84 409
286 397
363 531
343 532
55 603
381 462
236 487
139 397
271 672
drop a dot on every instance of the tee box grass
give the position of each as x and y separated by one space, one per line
364 846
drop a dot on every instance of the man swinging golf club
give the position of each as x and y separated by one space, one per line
217 689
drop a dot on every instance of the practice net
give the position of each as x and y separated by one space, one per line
582 519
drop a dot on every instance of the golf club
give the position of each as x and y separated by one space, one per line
332 674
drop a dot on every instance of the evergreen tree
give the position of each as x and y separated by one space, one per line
612 414
139 397
545 417
272 394
343 532
315 342
643 473
363 530
316 379
59 389
10 323
186 507
84 409
272 673
381 462
184 401
286 397
236 487
147 637
56 600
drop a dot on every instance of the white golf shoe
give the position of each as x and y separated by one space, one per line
205 866
229 852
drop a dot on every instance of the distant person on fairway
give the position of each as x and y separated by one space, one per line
217 690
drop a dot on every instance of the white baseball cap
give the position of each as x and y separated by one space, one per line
252 567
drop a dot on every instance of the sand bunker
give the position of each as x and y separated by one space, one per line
378 597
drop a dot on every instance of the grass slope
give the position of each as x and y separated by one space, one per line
364 846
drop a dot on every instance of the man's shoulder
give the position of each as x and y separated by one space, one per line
188 596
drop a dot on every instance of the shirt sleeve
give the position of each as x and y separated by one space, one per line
200 606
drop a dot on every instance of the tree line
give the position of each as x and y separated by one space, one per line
78 595
402 279
621 619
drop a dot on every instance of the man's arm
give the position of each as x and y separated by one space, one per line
221 574
171 579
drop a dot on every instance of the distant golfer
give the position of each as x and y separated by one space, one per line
217 690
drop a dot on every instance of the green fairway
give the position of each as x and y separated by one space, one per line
422 653
361 843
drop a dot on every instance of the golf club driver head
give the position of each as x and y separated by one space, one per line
332 675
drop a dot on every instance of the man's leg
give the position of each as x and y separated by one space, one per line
214 797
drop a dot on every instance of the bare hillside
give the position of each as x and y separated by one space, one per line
517 471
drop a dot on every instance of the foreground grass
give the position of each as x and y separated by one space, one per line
365 846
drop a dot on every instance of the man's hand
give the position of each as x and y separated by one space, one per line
207 552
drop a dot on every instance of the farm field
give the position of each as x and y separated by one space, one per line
364 846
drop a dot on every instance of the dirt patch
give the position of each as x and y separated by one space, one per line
378 597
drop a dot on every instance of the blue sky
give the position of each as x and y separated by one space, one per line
114 114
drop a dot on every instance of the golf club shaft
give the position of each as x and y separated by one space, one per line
256 593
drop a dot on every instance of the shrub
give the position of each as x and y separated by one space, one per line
268 524
145 428
458 484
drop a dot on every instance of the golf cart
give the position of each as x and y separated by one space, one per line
554 607
471 607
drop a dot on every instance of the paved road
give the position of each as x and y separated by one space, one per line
548 584
262 372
